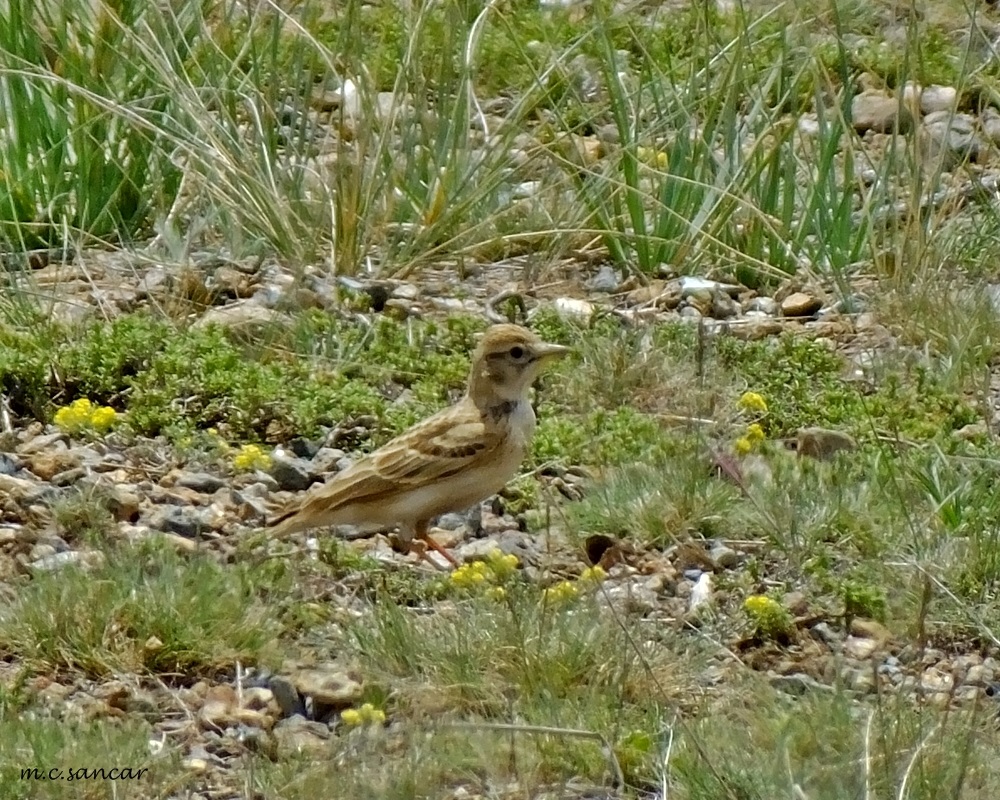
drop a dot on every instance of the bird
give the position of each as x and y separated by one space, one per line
449 461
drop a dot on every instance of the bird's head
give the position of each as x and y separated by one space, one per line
507 361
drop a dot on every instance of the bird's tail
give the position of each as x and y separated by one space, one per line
285 524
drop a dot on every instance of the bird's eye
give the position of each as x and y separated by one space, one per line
517 353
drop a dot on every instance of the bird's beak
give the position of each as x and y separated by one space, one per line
545 351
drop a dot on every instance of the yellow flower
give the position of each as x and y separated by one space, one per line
497 593
769 618
371 714
560 593
367 714
214 439
502 565
468 576
751 401
74 417
759 603
103 418
81 415
351 716
251 457
748 441
495 569
595 574
652 156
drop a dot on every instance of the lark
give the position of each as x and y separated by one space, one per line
448 462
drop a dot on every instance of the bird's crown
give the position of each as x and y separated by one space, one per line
500 339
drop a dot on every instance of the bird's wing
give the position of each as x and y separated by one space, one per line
441 446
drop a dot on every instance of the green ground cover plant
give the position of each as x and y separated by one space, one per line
424 139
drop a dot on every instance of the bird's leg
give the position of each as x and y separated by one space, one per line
420 532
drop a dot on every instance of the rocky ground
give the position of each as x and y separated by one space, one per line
200 507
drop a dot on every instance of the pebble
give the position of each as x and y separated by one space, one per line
291 473
991 124
870 629
249 506
289 700
329 685
979 675
701 593
800 304
452 521
513 542
216 712
8 464
656 293
325 461
947 139
938 98
823 444
47 464
724 556
606 280
935 680
753 330
860 649
723 306
68 477
265 480
797 683
44 442
300 735
181 544
40 551
175 519
973 431
86 559
201 482
123 503
573 309
796 603
245 317
808 125
891 670
876 111
629 597
690 285
861 681
406 291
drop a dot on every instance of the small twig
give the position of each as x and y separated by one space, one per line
239 684
868 755
5 422
665 766
913 761
495 316
683 419
618 777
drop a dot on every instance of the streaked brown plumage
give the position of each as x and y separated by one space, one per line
448 462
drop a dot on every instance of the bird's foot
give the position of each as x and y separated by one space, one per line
427 541
420 547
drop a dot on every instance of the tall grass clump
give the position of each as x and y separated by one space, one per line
739 153
80 152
